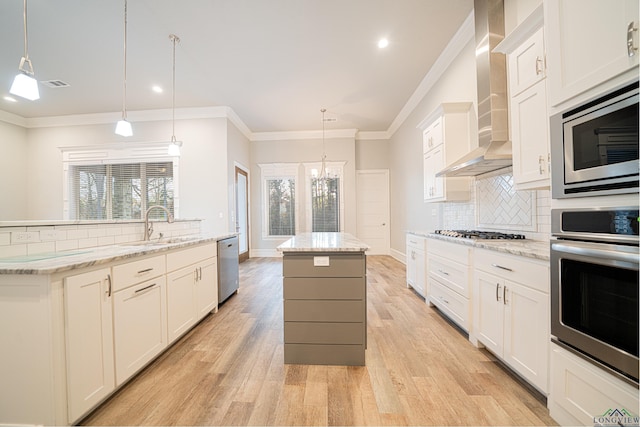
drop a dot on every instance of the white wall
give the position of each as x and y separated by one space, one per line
202 170
408 210
13 172
372 154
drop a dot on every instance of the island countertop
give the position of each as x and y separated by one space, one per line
323 242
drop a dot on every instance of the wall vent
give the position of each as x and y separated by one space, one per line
55 83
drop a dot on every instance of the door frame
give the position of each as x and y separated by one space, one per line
244 171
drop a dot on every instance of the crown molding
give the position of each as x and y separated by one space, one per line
464 34
13 119
307 134
373 135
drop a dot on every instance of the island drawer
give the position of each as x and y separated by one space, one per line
324 265
324 311
348 288
324 354
323 333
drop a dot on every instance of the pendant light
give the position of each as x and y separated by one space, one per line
174 146
123 127
25 85
323 166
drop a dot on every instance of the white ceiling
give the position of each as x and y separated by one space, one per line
274 62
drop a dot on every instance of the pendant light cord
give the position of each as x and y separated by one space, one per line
26 43
124 84
175 39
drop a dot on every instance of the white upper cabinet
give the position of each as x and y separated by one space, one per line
528 116
588 43
446 136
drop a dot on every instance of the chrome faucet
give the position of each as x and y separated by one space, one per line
148 226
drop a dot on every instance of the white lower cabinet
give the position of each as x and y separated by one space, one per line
583 394
511 312
416 263
89 340
140 326
192 291
449 280
207 287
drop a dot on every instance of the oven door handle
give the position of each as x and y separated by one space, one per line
576 249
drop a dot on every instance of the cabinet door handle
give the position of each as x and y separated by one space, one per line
504 295
541 164
538 65
200 273
109 288
497 291
145 288
631 49
146 270
195 274
501 267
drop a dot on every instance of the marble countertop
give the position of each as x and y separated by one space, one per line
55 262
537 249
323 242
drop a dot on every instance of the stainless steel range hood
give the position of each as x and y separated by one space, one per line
494 151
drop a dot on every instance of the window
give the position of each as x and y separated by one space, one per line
325 208
121 191
279 194
282 202
119 182
325 204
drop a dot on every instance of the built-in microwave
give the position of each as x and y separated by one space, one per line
594 146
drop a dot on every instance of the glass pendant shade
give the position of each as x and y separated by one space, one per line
174 147
123 128
25 86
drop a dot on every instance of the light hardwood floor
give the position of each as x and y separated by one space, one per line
229 370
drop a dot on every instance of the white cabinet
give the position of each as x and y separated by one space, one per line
140 326
528 117
207 287
89 340
192 291
511 312
446 136
588 43
449 280
416 262
581 391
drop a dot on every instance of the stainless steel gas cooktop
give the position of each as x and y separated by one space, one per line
478 234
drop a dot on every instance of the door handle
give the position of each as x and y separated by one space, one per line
631 49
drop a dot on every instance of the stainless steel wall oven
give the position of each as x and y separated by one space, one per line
594 146
594 286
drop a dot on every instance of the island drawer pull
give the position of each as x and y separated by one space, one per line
146 270
501 267
145 288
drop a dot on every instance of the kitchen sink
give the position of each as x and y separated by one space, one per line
161 242
40 257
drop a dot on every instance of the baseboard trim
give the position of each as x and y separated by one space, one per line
265 253
398 256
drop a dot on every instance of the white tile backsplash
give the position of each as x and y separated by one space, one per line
29 240
496 205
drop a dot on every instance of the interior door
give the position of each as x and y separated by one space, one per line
242 213
373 210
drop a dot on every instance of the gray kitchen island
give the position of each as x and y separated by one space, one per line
325 299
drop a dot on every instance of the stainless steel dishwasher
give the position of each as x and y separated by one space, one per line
228 279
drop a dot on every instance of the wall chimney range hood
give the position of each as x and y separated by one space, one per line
494 151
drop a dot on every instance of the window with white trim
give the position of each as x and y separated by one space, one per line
325 208
113 183
279 195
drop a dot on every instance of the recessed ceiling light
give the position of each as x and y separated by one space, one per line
382 43
157 89
10 99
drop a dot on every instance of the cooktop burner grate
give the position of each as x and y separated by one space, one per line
478 234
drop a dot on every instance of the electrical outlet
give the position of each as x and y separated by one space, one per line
24 236
48 235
